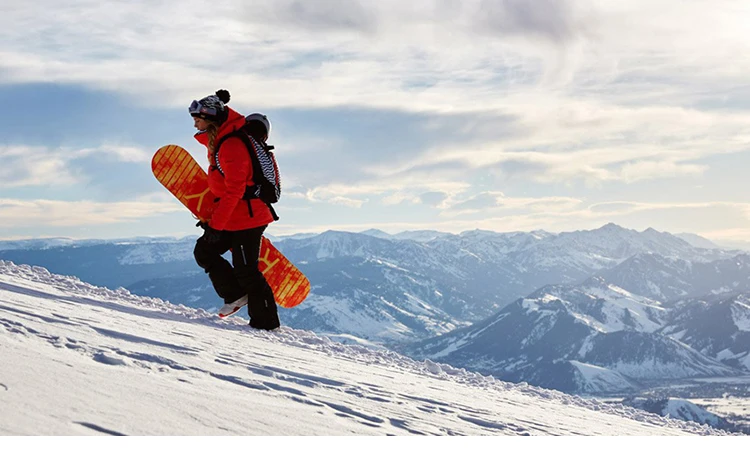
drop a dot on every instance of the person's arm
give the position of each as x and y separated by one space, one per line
234 161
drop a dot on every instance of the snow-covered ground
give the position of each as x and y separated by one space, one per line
76 359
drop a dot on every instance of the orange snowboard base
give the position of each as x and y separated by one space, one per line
178 171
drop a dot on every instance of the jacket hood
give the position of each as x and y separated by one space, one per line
234 122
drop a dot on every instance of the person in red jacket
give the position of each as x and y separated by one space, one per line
237 224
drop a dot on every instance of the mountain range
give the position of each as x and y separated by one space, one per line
603 310
590 338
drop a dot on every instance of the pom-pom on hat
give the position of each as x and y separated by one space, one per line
212 108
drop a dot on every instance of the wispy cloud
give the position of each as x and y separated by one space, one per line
16 213
494 201
322 16
33 166
120 153
436 56
393 55
553 20
50 167
620 208
623 144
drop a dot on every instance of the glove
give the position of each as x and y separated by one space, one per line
210 235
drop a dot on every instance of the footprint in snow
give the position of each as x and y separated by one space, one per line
109 360
350 412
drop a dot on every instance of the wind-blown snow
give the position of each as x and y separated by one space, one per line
79 359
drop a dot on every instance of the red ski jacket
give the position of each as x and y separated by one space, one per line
231 212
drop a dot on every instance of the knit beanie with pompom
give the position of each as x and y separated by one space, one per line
212 108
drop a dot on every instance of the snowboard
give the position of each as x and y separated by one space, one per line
179 173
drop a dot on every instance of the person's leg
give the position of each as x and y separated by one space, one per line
209 257
261 306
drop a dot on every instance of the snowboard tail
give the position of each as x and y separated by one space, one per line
179 173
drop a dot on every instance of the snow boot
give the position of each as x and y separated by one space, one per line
232 307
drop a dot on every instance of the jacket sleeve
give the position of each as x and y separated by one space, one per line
234 160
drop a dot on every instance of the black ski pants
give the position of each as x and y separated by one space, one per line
232 281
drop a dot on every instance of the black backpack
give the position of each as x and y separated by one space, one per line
266 176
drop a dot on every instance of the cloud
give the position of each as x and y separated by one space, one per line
738 236
393 55
34 166
434 199
477 203
334 194
327 15
643 170
619 208
25 166
552 20
489 203
16 213
120 153
592 166
403 39
594 145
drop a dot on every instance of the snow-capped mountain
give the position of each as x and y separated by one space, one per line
665 278
698 241
54 242
416 235
612 242
716 325
376 300
83 360
112 264
43 243
592 338
380 287
519 263
367 281
652 275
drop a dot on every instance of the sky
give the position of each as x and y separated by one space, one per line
453 115
83 360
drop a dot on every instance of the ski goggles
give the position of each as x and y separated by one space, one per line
197 109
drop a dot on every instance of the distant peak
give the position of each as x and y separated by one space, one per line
335 233
376 233
475 232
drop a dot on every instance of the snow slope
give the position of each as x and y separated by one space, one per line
79 359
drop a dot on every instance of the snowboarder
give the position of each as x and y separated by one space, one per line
234 225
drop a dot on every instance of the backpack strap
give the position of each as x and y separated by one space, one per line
250 191
215 155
